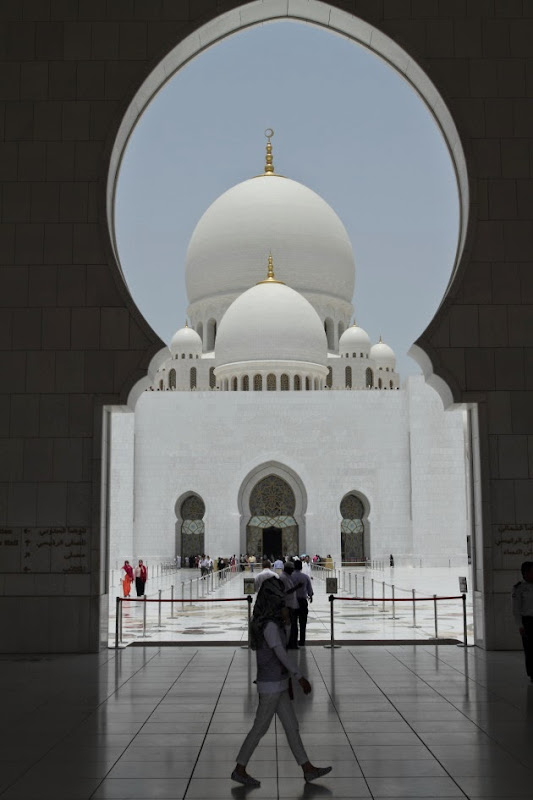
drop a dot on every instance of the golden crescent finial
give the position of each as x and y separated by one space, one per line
269 161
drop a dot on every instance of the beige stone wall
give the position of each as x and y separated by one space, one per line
73 341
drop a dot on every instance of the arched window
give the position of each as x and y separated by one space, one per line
234 384
352 530
387 369
190 355
362 355
391 385
192 512
297 383
200 331
369 378
380 384
284 383
271 382
245 384
348 377
258 383
329 379
212 379
161 384
354 355
172 379
307 383
183 355
192 378
211 334
329 327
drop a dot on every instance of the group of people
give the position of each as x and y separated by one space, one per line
138 573
295 577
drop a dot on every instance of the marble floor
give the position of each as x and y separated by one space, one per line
353 621
394 721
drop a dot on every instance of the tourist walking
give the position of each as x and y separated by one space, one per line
523 612
268 636
304 594
127 578
141 576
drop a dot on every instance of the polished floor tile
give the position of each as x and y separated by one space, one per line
166 724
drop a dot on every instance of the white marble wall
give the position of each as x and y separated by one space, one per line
335 442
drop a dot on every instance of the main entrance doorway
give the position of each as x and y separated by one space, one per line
272 528
272 543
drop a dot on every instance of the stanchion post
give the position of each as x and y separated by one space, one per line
465 629
172 603
414 608
356 591
331 645
372 590
383 595
393 591
350 582
190 592
144 616
364 588
117 623
435 613
159 610
249 599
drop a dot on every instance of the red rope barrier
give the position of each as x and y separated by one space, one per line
398 599
186 600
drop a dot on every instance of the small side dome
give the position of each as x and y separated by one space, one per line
383 355
271 322
354 339
186 341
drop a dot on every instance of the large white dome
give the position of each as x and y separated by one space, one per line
270 213
271 322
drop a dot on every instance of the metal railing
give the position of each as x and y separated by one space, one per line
145 600
393 600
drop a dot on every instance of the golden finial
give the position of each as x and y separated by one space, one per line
269 165
270 278
380 339
354 323
186 324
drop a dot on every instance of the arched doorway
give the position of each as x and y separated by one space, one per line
353 544
192 528
272 528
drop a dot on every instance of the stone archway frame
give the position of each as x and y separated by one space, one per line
252 479
179 519
343 23
367 525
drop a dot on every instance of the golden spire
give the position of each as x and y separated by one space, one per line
269 161
380 339
270 278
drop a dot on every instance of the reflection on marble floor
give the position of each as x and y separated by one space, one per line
225 621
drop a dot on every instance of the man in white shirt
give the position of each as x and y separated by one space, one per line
265 573
268 638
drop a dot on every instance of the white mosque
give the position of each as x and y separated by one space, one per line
272 424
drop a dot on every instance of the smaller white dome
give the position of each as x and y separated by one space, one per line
383 355
354 339
186 340
271 322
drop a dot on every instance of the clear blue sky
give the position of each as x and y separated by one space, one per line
346 125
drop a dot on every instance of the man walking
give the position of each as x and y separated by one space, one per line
523 612
304 592
141 576
268 636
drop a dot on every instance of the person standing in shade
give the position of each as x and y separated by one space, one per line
291 601
141 576
391 560
268 635
523 612
127 578
304 593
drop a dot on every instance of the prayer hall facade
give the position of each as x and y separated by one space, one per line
272 424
